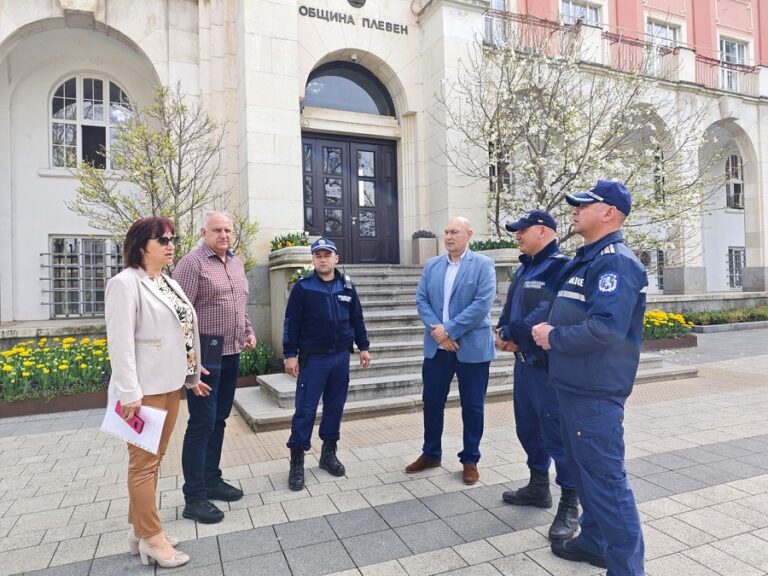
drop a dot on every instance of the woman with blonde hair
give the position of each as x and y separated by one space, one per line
154 349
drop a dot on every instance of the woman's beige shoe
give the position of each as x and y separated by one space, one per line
177 558
133 541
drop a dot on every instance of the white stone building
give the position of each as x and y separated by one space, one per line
332 126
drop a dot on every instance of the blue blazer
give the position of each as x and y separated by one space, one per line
469 307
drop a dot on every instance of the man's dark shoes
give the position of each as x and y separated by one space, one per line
203 511
328 460
224 492
567 517
422 463
569 550
535 493
296 472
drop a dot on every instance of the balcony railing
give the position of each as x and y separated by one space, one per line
740 78
529 33
635 55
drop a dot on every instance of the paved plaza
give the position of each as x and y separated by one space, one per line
697 455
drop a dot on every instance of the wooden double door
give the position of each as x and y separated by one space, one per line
350 196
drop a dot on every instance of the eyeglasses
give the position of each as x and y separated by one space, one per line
164 240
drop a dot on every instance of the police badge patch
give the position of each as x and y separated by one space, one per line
608 283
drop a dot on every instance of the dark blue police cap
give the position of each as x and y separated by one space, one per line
608 191
532 218
323 244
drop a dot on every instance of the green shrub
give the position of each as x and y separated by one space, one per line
711 317
260 360
493 243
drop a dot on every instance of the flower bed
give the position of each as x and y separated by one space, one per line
41 370
734 316
659 325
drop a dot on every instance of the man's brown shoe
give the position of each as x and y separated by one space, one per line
422 463
471 475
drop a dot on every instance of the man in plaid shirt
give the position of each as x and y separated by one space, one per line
213 279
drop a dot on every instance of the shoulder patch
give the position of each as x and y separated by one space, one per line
610 249
608 283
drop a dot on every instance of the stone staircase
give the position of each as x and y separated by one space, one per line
393 382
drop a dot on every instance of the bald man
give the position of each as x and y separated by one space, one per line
454 301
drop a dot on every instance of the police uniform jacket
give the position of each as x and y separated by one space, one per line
530 297
598 320
323 317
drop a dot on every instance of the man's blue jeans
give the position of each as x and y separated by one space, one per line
204 438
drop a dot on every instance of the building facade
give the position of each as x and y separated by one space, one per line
332 123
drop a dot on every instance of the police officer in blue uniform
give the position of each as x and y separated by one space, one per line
537 414
593 337
322 319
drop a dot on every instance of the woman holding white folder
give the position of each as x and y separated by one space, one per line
154 349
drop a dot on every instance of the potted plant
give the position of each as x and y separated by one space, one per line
423 246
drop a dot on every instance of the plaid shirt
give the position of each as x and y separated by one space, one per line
219 292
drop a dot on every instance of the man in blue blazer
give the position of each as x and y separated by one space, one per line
454 301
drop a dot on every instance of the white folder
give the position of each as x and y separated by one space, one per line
149 439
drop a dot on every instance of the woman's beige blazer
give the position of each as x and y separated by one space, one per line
145 338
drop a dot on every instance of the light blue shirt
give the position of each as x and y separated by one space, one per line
450 278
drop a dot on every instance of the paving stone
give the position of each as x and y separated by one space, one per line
256 542
356 522
728 450
120 564
714 522
35 504
681 531
661 508
389 568
375 547
476 525
722 563
76 569
63 533
554 565
519 565
304 533
78 550
267 515
753 517
403 513
267 565
318 559
477 552
234 521
202 552
677 564
42 520
90 512
675 482
357 483
488 496
428 536
434 562
746 547
454 482
309 507
76 497
24 540
644 490
641 467
111 543
283 495
421 487
348 500
478 570
378 495
517 542
669 460
26 559
522 517
658 544
451 504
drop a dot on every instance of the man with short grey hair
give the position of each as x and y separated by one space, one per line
213 279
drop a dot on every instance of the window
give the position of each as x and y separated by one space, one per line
660 262
661 38
495 24
573 12
731 52
347 86
499 176
78 271
658 174
736 263
86 113
734 182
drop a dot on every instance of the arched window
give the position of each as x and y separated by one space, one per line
734 182
347 86
86 112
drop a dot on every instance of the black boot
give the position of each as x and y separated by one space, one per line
567 517
296 474
328 460
536 493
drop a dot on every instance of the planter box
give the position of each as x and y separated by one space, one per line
734 326
247 381
668 343
422 249
59 404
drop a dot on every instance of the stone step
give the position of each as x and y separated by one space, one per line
403 318
261 411
394 365
384 293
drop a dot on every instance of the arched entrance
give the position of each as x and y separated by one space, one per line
350 183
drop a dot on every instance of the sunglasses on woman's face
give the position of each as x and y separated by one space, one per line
164 240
